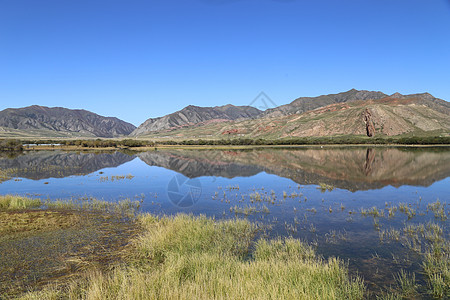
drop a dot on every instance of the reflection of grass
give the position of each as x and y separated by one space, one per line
187 257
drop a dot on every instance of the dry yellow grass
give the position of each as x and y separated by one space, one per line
187 257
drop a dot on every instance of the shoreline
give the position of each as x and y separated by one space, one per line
229 147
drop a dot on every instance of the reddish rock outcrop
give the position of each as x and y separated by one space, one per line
231 131
370 128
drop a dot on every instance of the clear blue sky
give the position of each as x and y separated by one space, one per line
140 59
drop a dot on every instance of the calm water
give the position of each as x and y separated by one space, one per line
313 194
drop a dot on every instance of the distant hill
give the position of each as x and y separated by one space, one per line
57 121
351 113
194 115
418 114
304 104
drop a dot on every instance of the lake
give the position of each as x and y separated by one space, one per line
362 204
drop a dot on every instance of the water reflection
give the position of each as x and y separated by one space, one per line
352 169
57 164
347 168
257 184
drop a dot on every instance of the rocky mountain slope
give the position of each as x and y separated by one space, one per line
67 122
303 104
194 115
397 114
360 113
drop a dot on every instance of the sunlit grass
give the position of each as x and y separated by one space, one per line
323 187
24 222
186 257
13 202
438 209
126 206
41 241
207 259
437 269
407 284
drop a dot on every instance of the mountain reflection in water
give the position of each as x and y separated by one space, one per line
347 168
58 164
353 169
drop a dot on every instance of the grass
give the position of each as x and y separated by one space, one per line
125 207
407 284
41 242
4 175
436 266
186 257
12 202
407 210
374 211
429 240
249 209
14 223
115 177
196 257
323 187
438 209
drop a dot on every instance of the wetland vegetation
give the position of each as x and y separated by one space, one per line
187 257
311 223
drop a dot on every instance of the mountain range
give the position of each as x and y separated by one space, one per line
349 113
353 112
46 121
195 115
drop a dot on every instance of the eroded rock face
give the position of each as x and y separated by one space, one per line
59 119
192 115
370 128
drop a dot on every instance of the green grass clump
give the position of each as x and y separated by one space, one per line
437 269
4 175
323 187
126 207
12 202
374 211
407 283
438 209
186 257
185 235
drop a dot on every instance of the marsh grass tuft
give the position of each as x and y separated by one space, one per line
407 284
186 257
407 210
437 269
323 187
12 202
438 209
125 207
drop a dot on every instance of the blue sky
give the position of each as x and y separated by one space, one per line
136 59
